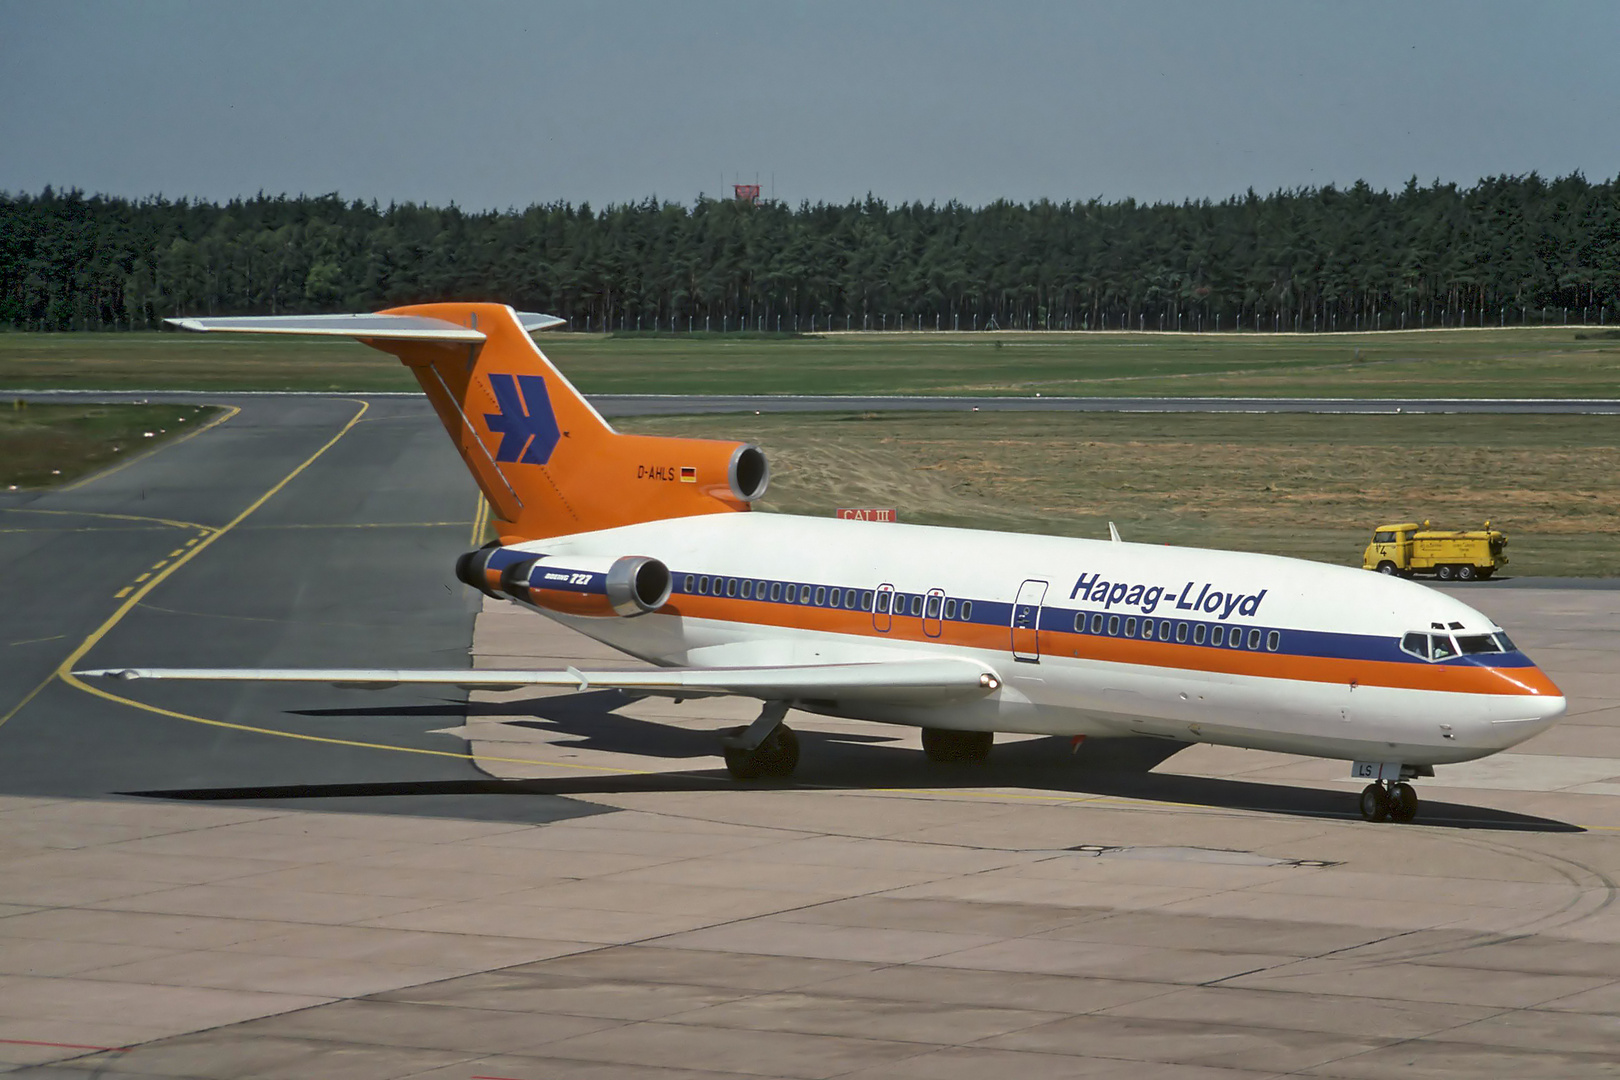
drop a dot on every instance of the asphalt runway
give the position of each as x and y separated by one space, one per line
348 560
568 886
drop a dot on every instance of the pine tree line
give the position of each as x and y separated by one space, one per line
1509 250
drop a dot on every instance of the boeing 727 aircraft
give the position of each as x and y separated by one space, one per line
647 544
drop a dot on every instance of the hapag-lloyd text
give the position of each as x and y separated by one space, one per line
1194 596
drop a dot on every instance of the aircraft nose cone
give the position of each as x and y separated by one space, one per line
1520 716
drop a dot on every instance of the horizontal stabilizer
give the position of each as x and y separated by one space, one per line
379 327
932 681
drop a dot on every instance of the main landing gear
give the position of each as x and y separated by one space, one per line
1387 800
765 748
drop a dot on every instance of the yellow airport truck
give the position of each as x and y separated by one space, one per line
1408 549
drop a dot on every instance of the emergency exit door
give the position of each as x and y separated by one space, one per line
1026 622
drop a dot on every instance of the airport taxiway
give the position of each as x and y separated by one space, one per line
210 881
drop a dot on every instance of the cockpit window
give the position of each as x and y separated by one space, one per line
1440 646
1470 644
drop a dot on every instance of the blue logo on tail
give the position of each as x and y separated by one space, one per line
528 434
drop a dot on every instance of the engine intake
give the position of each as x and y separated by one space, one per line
749 473
637 584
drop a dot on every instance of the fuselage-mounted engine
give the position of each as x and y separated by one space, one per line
570 584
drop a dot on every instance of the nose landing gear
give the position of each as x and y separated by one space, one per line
1389 801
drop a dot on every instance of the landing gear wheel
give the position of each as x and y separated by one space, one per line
1386 568
944 745
1444 573
1375 802
777 756
1403 803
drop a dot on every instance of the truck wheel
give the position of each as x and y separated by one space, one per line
1443 573
1466 573
1386 567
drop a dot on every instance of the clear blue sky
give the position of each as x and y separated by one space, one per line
495 104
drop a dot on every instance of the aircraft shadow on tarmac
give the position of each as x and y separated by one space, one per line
1119 768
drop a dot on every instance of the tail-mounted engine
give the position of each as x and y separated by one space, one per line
574 585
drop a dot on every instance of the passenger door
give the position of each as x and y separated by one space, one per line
881 618
1026 622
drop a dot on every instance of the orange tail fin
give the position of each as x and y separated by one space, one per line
544 458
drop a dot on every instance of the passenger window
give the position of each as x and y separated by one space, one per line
933 607
690 583
1113 625
849 599
1130 627
1164 631
748 590
804 594
1273 640
866 600
1096 624
1217 636
821 595
1080 623
731 586
776 591
1147 629
703 586
1198 634
883 602
950 609
916 603
1181 631
1254 639
759 589
967 610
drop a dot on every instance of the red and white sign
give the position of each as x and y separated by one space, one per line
867 513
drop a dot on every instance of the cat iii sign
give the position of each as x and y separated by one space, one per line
867 513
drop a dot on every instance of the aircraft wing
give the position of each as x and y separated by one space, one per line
921 682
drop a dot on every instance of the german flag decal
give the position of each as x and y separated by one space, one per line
688 474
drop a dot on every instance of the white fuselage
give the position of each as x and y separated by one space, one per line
1089 637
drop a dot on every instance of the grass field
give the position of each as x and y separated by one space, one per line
1309 486
1511 363
47 445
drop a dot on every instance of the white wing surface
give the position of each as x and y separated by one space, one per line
920 682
